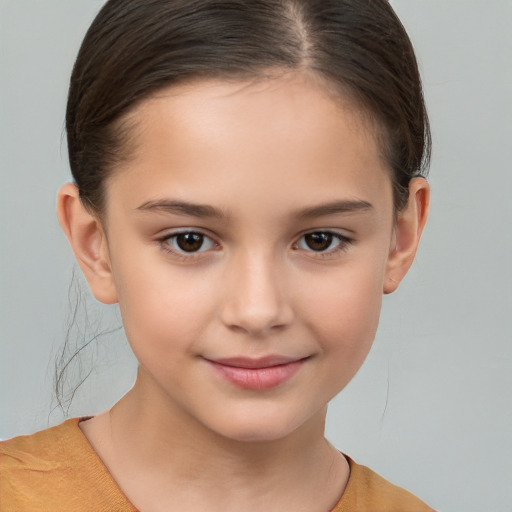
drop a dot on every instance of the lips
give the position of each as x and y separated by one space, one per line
257 374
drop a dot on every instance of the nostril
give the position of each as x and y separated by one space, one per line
245 319
254 300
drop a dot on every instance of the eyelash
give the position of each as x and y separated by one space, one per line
344 243
188 256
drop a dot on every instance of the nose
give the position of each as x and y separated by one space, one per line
256 301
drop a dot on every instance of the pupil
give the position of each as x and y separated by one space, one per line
319 241
190 242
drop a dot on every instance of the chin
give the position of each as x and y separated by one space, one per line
261 428
253 434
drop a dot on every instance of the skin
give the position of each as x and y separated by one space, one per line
185 438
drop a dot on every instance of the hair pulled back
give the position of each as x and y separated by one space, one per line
136 47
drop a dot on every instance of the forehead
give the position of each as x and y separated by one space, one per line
287 137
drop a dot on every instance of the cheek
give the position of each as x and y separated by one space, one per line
346 321
163 307
343 309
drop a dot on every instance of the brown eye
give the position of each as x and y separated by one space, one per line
189 242
318 241
324 243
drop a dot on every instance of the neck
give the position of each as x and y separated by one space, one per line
163 449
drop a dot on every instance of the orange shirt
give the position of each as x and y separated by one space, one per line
57 470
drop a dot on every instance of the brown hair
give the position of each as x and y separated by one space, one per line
136 47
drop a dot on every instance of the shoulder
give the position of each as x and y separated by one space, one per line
55 469
366 491
42 451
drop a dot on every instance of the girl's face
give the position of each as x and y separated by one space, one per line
249 240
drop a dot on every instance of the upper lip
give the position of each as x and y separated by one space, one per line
259 362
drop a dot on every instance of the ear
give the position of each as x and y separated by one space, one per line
88 241
409 226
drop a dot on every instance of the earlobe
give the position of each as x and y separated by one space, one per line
409 226
88 241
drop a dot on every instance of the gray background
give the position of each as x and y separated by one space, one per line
431 407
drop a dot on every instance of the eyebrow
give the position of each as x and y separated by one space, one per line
333 208
207 211
182 208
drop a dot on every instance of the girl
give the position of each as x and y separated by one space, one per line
246 186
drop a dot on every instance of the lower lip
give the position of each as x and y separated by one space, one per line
258 379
